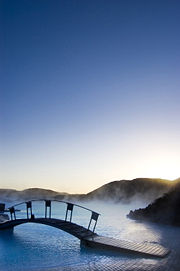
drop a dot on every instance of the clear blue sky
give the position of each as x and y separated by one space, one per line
90 92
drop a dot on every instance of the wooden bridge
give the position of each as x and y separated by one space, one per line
87 234
66 225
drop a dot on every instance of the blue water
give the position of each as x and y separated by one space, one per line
35 247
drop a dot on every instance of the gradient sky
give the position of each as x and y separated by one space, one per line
90 92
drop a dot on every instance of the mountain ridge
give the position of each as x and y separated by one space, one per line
117 191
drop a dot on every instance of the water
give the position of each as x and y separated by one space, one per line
40 247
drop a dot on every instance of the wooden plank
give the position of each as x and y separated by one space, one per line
118 245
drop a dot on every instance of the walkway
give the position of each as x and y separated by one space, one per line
87 235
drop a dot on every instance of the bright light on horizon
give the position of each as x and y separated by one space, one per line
86 165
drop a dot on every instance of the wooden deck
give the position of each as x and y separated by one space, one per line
94 240
88 237
126 246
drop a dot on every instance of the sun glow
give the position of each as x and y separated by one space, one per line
165 170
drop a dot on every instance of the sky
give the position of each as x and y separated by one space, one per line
89 92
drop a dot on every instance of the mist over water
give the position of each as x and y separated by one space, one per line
40 247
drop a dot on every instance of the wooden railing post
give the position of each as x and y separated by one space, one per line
94 216
47 204
29 206
69 208
12 212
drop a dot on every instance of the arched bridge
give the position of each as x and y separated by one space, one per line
86 234
66 224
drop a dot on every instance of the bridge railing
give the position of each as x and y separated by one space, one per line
28 209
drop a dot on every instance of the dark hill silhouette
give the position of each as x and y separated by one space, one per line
118 191
165 209
127 190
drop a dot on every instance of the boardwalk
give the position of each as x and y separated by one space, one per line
122 246
87 235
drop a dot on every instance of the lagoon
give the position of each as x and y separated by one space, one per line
40 247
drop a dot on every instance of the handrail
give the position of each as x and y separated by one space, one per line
70 205
62 201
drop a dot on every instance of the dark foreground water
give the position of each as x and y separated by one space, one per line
40 247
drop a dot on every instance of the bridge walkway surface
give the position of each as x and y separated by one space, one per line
88 237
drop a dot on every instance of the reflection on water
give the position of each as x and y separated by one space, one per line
34 246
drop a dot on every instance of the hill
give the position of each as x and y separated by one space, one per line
128 190
8 195
164 209
124 191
